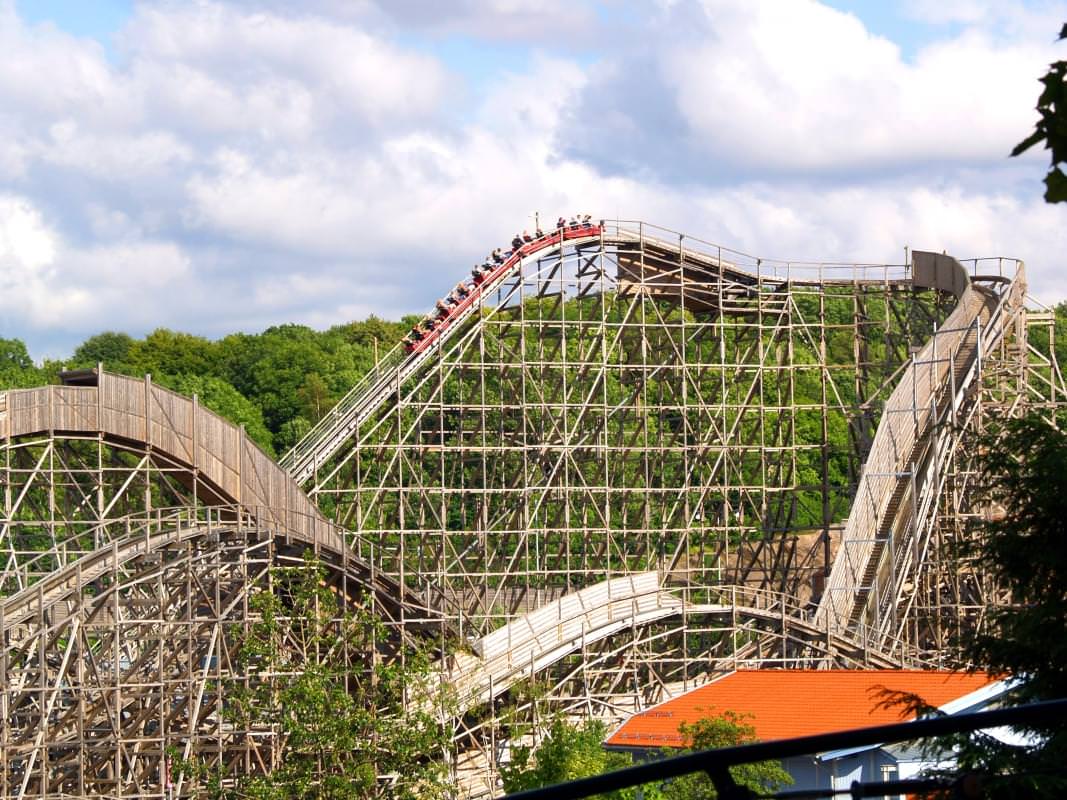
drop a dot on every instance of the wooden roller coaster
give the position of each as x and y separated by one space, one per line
629 460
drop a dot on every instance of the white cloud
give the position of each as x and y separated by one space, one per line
1039 20
293 75
133 266
30 288
253 165
45 281
26 244
415 194
112 157
514 20
801 89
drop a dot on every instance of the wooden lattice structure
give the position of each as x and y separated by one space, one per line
634 460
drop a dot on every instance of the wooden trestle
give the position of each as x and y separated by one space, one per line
638 460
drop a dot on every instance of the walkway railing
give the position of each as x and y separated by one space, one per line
323 441
368 395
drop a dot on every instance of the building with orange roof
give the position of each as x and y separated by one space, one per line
783 704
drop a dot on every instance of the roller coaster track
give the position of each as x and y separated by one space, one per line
377 386
58 706
145 629
85 598
148 536
230 469
950 365
383 383
892 513
527 645
122 409
240 492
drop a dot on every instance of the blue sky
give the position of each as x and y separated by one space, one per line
99 19
232 164
102 19
894 22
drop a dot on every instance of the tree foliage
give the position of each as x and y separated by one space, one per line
109 347
16 367
277 383
725 730
1022 550
1052 127
17 370
351 716
570 751
1025 553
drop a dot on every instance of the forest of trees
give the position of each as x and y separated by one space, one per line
280 382
277 383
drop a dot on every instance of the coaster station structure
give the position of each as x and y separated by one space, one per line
631 460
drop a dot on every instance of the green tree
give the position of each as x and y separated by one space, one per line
271 368
17 369
174 353
14 356
110 348
1025 553
1021 549
570 751
348 722
290 433
725 730
1052 127
291 373
315 396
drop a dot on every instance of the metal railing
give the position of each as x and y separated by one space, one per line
324 439
329 434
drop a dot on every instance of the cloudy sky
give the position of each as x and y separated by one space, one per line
218 166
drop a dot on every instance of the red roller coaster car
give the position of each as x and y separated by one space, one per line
557 237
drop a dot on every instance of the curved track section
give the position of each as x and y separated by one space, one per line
583 639
210 457
120 656
230 467
577 621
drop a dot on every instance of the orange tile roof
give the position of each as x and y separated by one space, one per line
788 703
